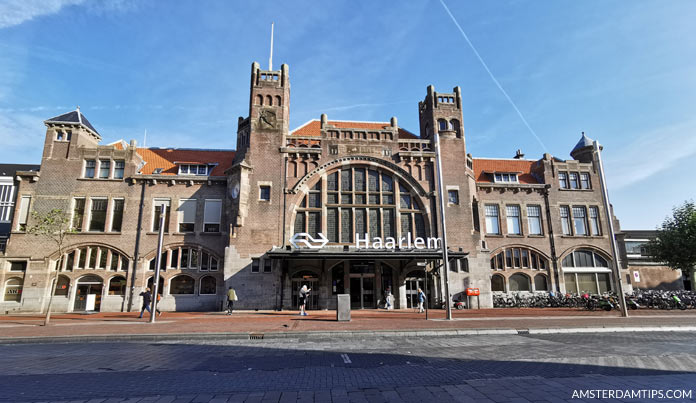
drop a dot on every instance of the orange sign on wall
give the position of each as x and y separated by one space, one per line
472 292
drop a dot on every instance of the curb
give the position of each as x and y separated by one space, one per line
101 338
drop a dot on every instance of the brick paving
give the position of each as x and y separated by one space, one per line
494 368
287 322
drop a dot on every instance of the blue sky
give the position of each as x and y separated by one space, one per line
621 71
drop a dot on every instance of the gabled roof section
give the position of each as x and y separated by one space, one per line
484 166
584 142
74 117
313 128
168 158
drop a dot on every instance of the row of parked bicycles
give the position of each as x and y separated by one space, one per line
639 299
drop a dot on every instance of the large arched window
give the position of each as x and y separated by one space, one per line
182 285
117 285
94 258
518 258
442 124
586 271
540 283
360 200
208 285
497 283
13 290
519 282
186 258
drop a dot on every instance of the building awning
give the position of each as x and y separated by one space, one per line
362 254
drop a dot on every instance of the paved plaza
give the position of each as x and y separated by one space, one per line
483 368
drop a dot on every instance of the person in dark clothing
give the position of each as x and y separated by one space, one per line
147 301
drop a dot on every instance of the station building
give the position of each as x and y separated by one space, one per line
342 206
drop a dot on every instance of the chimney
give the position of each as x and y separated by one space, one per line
518 155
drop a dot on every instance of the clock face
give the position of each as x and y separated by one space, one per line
234 191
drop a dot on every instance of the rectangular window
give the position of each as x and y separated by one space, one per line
585 180
254 265
24 206
267 265
406 225
314 223
565 220
513 220
374 223
453 196
187 215
571 283
492 223
174 263
159 205
119 166
18 266
78 213
579 220
300 222
90 166
346 225
534 220
194 259
104 169
6 202
388 223
212 214
185 255
97 214
563 180
205 259
331 224
117 215
594 221
265 192
574 181
346 180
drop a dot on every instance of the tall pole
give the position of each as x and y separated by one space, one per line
155 282
612 235
441 196
270 58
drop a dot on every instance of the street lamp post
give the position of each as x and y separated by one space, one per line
610 220
445 258
155 279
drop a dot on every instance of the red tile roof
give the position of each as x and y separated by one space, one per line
483 167
313 128
165 158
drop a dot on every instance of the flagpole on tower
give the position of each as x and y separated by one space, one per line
270 59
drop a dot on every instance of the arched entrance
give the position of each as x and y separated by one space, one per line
88 294
311 280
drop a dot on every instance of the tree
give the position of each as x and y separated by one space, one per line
675 243
53 226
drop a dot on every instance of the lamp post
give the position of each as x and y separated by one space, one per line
445 258
610 220
155 279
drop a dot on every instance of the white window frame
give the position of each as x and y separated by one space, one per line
589 181
505 177
156 201
454 189
565 181
537 218
7 197
181 214
497 218
96 168
111 166
566 221
111 210
585 228
219 218
113 170
89 214
23 214
512 219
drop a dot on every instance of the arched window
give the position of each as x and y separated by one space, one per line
93 258
160 285
63 286
519 282
585 271
442 124
540 283
360 200
117 285
187 258
455 126
269 100
208 285
518 258
279 102
584 258
182 285
497 283
13 290
259 99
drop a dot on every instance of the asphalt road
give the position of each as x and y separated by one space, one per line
503 368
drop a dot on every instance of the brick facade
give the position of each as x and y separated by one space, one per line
337 178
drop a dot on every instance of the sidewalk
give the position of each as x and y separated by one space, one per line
114 326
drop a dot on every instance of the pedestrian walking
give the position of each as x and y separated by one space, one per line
304 293
421 300
147 301
231 297
389 300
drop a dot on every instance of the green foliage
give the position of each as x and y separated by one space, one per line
675 244
53 225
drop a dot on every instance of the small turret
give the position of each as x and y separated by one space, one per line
584 149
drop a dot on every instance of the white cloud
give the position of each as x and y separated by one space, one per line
649 153
15 12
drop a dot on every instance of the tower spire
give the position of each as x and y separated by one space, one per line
270 59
